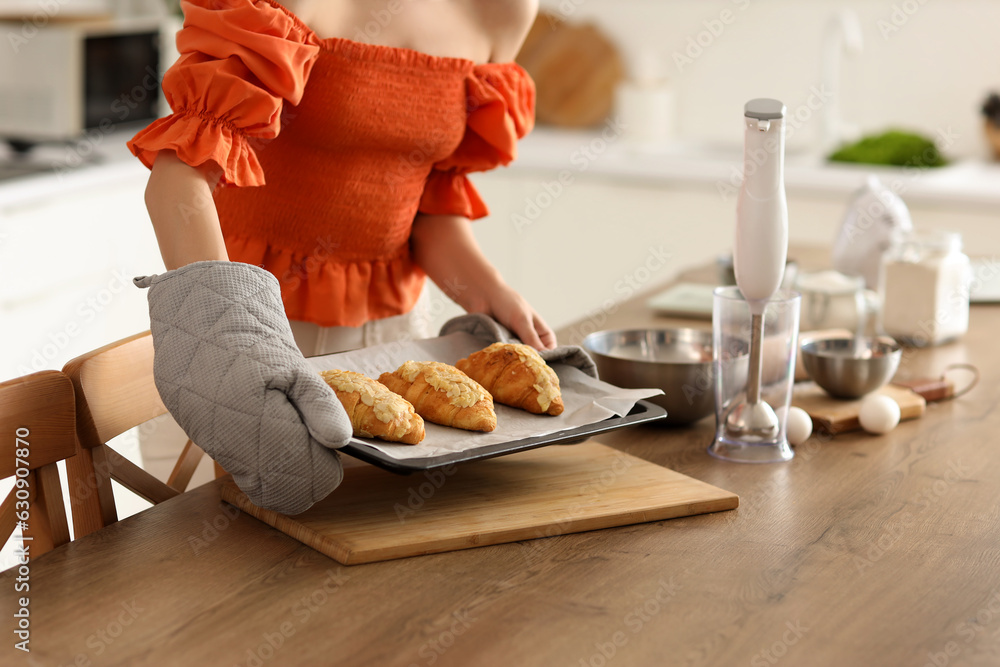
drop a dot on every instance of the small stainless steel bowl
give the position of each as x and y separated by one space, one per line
850 368
678 361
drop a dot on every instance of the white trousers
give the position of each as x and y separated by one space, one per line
314 340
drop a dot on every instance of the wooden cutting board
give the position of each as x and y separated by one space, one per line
375 515
576 70
834 415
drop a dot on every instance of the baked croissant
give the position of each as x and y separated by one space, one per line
516 376
443 394
375 412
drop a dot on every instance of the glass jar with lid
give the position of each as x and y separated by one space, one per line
924 280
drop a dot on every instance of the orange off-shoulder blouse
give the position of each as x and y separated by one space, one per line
328 148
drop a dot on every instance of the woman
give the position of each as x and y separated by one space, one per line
339 166
350 197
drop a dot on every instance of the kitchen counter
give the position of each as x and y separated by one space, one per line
57 170
862 550
965 183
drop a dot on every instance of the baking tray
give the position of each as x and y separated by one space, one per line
642 412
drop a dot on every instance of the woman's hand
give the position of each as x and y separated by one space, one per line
443 245
512 310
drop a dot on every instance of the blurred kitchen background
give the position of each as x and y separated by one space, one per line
630 176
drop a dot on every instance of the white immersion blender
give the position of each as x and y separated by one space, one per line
761 251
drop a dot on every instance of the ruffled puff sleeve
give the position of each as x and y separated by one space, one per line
240 60
501 110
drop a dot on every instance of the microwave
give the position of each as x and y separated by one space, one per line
66 79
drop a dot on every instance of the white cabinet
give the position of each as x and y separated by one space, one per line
599 241
69 247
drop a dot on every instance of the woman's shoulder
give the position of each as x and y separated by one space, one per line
507 23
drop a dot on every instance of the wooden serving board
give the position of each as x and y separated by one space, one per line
576 70
375 515
834 415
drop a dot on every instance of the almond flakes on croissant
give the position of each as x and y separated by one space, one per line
373 409
443 394
517 376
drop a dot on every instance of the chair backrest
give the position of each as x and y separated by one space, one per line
37 429
116 382
115 392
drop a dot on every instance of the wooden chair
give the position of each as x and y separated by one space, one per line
37 429
114 393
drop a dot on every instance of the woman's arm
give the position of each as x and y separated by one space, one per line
443 245
180 205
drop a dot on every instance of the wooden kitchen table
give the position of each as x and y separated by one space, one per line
862 550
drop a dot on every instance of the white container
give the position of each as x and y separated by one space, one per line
925 280
644 106
833 300
645 111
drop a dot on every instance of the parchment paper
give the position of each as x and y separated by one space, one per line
587 400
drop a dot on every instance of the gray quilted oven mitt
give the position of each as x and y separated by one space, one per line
228 370
485 327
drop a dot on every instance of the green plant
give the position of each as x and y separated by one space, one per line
895 147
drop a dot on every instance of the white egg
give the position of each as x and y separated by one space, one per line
798 426
879 414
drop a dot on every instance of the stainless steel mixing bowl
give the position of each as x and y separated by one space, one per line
678 361
847 367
